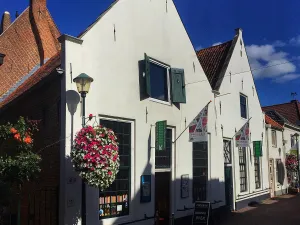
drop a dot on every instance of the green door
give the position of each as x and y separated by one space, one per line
228 187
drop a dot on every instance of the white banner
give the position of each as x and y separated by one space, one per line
198 127
242 136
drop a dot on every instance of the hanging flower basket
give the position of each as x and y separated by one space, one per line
95 156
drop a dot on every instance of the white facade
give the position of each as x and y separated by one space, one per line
237 81
276 151
109 51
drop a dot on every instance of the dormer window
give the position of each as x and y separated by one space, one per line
1 58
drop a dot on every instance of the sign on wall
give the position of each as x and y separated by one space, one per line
160 130
146 188
257 148
201 213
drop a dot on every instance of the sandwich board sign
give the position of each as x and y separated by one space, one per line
201 213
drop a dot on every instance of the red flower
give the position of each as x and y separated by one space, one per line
109 173
13 130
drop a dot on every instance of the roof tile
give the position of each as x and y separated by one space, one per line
212 60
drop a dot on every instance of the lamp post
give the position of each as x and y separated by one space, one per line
83 83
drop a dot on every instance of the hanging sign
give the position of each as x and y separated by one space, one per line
198 127
257 148
201 213
242 136
160 130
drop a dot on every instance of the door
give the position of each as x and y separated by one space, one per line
162 196
271 178
228 187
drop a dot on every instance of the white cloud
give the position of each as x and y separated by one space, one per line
286 78
295 40
217 43
266 62
199 47
279 43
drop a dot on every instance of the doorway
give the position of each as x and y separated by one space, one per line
162 196
228 187
271 178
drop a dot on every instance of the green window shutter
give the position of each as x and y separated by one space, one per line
147 75
178 86
257 147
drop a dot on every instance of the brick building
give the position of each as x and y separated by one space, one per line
29 50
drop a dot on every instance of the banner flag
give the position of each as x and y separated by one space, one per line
242 136
198 127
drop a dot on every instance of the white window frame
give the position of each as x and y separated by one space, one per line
274 145
168 83
130 216
247 106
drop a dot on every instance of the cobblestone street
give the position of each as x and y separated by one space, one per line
278 211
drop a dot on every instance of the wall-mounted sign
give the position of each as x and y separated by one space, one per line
242 136
146 188
160 135
257 148
185 186
198 127
201 213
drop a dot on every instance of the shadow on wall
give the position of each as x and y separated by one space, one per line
161 186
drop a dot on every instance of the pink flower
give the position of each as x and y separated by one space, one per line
109 173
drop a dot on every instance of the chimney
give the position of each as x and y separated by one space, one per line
38 5
5 21
238 31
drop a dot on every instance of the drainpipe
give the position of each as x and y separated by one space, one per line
268 127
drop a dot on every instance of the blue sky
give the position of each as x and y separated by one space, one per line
271 30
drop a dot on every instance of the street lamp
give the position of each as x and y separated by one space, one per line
83 83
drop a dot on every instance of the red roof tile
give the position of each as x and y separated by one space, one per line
290 110
27 43
212 60
39 75
272 122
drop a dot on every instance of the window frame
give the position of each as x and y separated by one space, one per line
168 68
243 164
246 105
274 141
257 172
199 166
170 151
131 189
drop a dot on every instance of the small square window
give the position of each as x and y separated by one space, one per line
243 104
159 80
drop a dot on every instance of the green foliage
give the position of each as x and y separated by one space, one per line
19 164
23 167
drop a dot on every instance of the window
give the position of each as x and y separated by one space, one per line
159 81
200 168
114 201
243 170
227 151
243 103
164 83
257 172
274 138
163 158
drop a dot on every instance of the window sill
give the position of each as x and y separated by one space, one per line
112 220
160 101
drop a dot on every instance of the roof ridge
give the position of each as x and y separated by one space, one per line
278 104
214 46
14 21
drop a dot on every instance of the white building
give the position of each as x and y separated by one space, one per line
117 50
276 152
286 115
236 101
